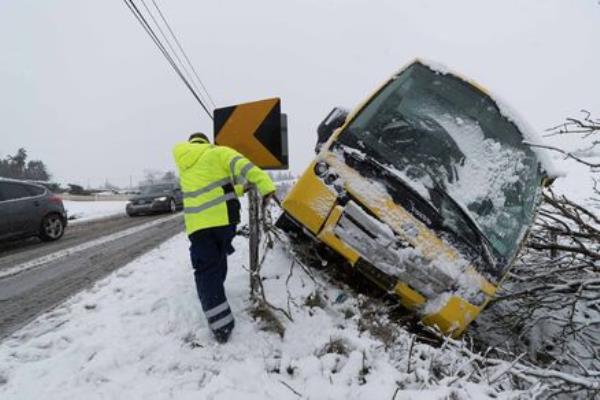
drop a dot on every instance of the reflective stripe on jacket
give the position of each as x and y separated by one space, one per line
211 178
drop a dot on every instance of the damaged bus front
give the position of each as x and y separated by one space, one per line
427 189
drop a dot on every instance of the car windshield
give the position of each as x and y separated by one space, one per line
436 130
156 189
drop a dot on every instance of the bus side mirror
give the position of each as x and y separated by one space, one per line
333 120
547 181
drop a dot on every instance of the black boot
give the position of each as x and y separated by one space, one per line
222 335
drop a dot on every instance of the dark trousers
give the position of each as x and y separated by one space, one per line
209 250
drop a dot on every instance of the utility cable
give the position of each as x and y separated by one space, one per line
144 23
184 54
180 64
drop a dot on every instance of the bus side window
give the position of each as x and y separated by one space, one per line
333 120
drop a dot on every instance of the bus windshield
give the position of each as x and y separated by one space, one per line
437 130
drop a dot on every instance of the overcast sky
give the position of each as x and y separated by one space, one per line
84 89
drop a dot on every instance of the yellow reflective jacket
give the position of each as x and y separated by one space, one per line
211 179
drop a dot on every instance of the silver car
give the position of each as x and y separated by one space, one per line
27 209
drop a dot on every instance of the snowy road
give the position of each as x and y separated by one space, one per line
36 276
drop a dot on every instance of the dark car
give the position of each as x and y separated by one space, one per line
163 197
28 209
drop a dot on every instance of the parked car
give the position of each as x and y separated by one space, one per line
28 209
163 197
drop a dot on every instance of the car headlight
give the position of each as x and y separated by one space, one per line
164 198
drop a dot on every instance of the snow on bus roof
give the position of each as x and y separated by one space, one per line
530 135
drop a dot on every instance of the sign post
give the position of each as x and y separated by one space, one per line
254 240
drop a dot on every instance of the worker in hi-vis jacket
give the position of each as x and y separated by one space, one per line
212 177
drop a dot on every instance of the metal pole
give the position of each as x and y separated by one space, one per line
254 226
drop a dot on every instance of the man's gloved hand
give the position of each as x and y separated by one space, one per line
267 198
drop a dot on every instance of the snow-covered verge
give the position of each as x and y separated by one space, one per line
140 333
89 210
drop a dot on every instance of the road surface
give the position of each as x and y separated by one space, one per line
36 276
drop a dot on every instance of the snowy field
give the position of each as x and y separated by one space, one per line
140 334
79 211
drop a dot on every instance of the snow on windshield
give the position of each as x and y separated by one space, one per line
529 134
487 171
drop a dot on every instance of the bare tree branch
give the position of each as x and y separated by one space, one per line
567 154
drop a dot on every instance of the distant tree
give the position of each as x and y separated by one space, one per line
17 167
17 164
36 171
54 187
110 186
169 176
4 168
151 176
77 189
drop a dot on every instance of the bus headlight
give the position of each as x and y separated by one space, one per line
321 169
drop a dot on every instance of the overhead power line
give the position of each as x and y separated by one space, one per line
173 52
184 54
150 31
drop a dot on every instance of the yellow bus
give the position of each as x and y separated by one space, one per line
427 189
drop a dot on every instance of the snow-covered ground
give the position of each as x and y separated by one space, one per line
79 211
140 334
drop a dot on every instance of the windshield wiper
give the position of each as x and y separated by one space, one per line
483 240
385 169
